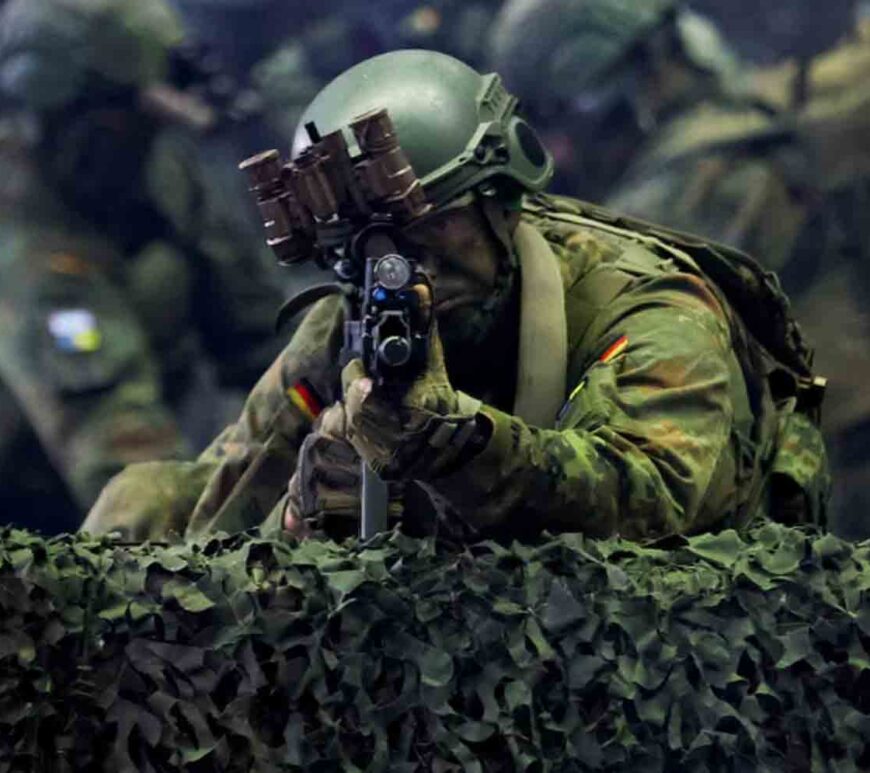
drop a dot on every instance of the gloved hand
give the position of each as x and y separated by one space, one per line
431 429
324 492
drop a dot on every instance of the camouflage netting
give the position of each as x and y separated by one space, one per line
242 653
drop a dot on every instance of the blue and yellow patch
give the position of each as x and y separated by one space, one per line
75 331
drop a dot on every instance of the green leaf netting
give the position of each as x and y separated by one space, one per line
242 653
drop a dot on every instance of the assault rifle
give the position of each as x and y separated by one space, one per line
346 212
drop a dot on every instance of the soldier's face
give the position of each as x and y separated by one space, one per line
462 258
471 277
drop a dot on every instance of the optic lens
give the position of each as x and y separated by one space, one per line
392 272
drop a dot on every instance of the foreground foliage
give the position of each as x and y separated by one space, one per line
243 653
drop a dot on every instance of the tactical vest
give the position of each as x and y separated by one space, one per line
789 479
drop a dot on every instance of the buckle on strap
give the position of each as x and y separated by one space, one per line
810 395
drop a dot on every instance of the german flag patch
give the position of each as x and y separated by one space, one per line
303 396
610 353
615 349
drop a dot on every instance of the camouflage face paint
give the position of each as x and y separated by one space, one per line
472 276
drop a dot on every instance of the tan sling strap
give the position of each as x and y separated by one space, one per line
543 346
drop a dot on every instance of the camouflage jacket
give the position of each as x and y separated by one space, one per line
643 419
792 191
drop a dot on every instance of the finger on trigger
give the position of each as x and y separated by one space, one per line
294 524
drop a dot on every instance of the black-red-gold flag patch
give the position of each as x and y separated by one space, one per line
303 396
615 349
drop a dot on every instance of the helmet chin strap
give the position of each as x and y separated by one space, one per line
497 218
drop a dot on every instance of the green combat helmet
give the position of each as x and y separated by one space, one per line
557 49
51 50
597 76
567 46
459 128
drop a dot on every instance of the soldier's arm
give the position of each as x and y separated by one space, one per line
237 480
638 440
77 361
298 384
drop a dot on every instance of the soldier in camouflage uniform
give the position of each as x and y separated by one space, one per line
589 375
738 170
788 184
121 267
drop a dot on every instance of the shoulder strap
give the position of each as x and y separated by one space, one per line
543 345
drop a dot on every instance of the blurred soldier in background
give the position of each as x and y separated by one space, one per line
244 32
120 268
770 32
793 190
602 76
329 44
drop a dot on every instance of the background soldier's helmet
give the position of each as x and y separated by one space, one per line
459 128
53 51
550 51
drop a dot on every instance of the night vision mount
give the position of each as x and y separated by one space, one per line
346 213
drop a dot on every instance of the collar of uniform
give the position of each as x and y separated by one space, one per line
543 346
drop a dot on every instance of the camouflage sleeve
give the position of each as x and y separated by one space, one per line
77 362
236 481
148 501
254 459
638 440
